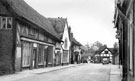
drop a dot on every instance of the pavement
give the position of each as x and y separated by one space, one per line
28 73
115 73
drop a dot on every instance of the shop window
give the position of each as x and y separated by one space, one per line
50 55
65 56
27 51
45 52
5 22
40 54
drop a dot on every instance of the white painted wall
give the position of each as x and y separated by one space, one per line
66 36
103 53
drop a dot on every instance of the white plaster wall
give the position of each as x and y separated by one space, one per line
66 35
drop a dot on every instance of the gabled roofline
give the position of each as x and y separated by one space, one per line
19 12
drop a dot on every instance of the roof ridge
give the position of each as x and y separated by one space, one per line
22 9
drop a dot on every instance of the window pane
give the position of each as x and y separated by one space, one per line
106 52
9 22
26 54
65 43
4 22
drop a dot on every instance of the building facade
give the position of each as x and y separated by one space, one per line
76 50
104 53
124 22
61 27
27 39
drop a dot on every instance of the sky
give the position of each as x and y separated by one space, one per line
90 20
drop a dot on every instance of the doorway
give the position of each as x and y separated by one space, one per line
34 58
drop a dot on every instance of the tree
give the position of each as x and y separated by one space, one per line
96 45
116 47
93 47
87 46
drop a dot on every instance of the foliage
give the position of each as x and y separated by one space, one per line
116 45
116 48
94 47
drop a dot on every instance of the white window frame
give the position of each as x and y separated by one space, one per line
1 23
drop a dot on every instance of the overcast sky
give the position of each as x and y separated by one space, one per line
90 20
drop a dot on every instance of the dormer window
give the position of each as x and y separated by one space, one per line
5 22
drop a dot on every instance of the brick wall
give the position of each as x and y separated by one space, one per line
6 44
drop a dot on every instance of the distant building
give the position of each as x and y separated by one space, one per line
61 27
104 53
87 57
76 50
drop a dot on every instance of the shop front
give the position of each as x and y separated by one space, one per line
36 54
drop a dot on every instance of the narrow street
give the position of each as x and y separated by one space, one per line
67 40
84 72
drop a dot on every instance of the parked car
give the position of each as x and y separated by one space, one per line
85 61
105 61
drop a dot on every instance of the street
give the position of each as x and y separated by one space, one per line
84 72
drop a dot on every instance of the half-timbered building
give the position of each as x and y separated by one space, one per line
104 53
27 39
61 27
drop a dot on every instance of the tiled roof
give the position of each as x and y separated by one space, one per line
59 24
111 50
74 41
23 10
103 48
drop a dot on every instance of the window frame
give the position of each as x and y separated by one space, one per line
6 22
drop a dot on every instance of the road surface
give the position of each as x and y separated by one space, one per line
85 72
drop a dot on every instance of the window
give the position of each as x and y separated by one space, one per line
131 47
31 31
65 56
9 22
27 51
40 54
65 45
50 55
41 36
24 29
106 52
5 22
